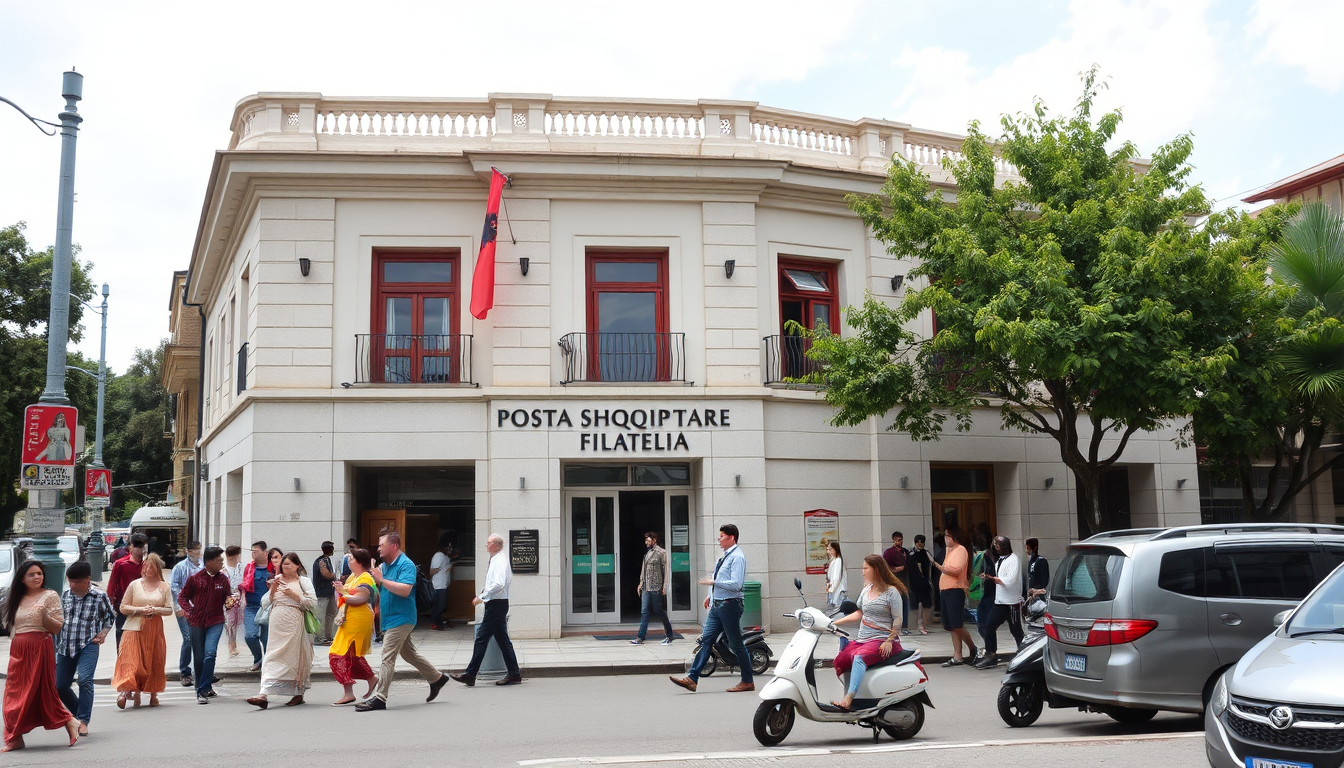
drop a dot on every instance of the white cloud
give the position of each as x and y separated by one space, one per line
1159 59
162 80
1300 33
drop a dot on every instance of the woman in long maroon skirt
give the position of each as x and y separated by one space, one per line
33 615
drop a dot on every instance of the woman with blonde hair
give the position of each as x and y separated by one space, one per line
288 664
140 660
879 619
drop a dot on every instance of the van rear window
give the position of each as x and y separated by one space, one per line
1088 575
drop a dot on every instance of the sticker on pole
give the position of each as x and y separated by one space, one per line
97 487
48 451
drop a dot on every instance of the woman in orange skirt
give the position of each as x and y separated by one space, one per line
33 615
143 651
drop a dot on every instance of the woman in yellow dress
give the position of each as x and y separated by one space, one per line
356 597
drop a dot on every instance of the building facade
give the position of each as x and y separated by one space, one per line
182 382
632 375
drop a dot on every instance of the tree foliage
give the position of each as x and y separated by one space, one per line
1078 296
135 423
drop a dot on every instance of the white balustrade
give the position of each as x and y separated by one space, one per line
804 137
624 124
374 121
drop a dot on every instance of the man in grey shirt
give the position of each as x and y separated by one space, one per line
652 588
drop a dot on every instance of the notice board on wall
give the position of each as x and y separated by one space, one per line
525 550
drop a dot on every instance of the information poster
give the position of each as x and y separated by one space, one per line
820 527
525 550
48 448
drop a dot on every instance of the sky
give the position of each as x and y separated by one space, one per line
1258 84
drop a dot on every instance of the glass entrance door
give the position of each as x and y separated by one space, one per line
591 560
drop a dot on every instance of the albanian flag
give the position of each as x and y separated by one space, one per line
483 279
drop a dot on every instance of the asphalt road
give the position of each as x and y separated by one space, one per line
574 720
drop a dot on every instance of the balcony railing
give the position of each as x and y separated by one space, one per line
630 357
396 358
242 368
786 359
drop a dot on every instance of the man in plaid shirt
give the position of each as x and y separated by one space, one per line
88 619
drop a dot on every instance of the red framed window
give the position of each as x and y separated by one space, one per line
415 317
808 296
628 338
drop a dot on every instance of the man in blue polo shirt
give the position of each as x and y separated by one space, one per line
396 605
725 604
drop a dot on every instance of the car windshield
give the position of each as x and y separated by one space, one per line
1088 574
6 560
1323 610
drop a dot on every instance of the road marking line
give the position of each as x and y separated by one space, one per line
814 751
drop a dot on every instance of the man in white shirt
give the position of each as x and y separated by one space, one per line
440 575
495 596
1007 599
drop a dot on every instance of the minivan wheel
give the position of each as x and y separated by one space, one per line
1130 716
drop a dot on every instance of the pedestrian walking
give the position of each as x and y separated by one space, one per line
652 590
181 572
288 665
896 558
1038 570
879 626
1007 606
837 586
952 585
983 569
233 617
124 571
147 603
323 575
441 575
350 546
495 596
256 580
204 598
396 600
88 619
354 628
725 604
33 614
920 567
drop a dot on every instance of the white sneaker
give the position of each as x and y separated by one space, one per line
636 641
666 641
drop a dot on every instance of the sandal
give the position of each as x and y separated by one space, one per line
121 699
73 731
153 699
953 663
923 631
259 702
294 702
135 699
343 703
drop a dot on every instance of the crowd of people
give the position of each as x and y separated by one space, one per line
284 611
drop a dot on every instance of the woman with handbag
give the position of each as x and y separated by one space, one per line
143 649
356 597
288 664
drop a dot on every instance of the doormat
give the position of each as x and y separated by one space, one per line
633 635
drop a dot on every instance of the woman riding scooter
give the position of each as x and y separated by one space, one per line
879 619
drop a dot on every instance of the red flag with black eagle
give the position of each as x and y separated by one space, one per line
483 279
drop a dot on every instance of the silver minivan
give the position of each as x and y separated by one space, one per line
1147 620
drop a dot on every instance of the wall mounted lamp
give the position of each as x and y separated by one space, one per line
728 267
905 482
897 281
737 481
1049 482
305 264
522 483
296 484
523 263
1180 483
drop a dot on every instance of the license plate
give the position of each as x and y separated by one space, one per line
1076 662
1071 635
1260 762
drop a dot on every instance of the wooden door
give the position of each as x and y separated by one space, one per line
376 522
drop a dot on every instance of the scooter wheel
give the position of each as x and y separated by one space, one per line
773 721
1020 703
760 661
711 664
912 728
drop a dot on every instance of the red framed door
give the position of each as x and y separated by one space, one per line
415 311
627 317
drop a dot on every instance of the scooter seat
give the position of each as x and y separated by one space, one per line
893 660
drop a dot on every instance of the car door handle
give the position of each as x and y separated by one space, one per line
1231 619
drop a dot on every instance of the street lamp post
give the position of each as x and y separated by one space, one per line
95 553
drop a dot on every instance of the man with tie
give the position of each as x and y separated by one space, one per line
725 612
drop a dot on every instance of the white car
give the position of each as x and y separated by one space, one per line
69 546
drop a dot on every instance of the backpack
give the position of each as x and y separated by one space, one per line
424 592
977 585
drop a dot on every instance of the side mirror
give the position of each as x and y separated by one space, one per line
1281 617
798 584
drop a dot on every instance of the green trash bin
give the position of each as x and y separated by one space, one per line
751 604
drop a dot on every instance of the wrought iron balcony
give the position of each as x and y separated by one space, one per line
616 357
786 359
396 358
242 368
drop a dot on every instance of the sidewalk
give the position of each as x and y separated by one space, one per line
564 657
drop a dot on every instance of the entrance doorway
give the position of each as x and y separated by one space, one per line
963 495
641 512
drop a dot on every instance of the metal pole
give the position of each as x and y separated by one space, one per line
95 552
58 325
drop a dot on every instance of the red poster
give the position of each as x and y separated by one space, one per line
48 450
97 487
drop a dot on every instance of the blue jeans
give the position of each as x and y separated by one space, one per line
204 645
724 616
649 603
254 634
856 671
83 664
184 658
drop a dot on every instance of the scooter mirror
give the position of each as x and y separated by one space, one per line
798 584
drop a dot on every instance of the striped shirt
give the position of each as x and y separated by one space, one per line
85 618
879 613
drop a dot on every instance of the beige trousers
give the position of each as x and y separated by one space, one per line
397 642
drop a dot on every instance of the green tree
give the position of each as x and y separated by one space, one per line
1078 297
25 301
136 415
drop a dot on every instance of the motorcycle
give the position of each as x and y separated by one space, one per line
721 654
1022 693
890 699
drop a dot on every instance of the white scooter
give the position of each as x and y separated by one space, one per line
891 697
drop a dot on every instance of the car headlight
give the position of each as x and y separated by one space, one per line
1220 697
806 620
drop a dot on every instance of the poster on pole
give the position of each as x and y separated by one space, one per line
48 450
820 527
97 488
